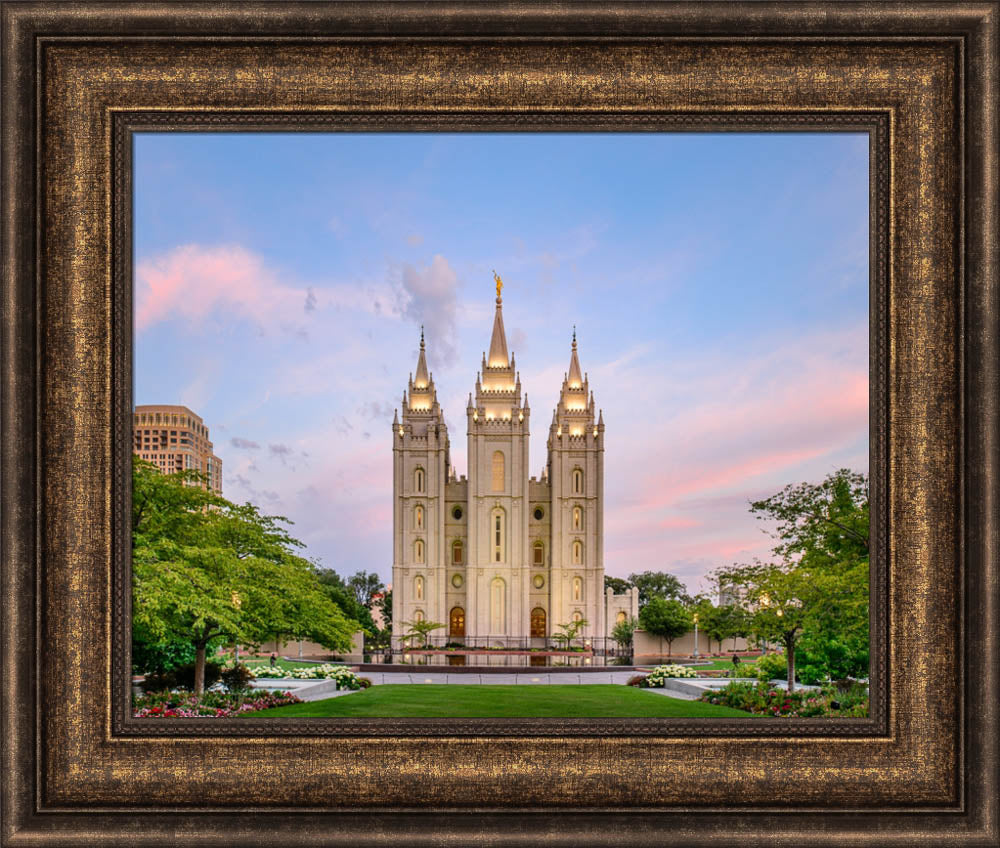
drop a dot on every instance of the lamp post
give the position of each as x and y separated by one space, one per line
696 635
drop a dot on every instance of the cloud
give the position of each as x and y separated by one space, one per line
243 444
192 282
376 411
282 452
691 443
415 240
430 299
310 304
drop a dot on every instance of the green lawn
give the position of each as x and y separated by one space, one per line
727 664
428 700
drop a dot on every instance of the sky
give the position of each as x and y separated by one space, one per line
718 284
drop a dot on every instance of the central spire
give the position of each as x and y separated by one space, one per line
498 344
422 376
575 378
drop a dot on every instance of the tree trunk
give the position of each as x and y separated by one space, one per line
790 655
199 669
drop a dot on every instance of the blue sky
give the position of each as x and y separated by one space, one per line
718 283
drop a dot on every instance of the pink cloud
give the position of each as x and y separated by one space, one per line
192 281
713 435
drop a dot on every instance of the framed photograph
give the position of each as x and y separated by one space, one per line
164 169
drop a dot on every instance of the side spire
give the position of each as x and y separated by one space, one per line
422 377
498 344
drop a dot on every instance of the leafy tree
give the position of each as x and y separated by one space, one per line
338 592
779 600
617 584
824 530
385 603
712 622
205 569
623 630
421 629
658 584
829 519
666 618
569 632
364 585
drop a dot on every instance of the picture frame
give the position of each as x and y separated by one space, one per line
78 78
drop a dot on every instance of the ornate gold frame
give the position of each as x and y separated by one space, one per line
79 78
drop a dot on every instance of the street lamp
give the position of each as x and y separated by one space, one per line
696 635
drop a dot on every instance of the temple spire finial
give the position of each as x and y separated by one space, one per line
498 357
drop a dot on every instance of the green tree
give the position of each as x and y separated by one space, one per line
779 599
364 585
618 585
421 629
344 598
385 604
712 622
206 570
658 584
823 529
623 630
569 632
666 618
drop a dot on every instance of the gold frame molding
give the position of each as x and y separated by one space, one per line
79 78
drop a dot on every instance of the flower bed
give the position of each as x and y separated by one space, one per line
659 674
762 699
209 705
346 679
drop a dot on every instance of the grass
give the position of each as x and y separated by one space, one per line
406 700
726 664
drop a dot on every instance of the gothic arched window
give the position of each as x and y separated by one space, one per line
498 471
418 550
577 518
456 552
577 481
418 480
418 588
577 589
539 554
418 517
578 553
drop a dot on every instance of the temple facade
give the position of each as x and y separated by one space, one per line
498 556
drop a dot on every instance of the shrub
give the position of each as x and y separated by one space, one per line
636 680
364 682
237 678
656 677
761 699
346 679
209 705
770 667
181 678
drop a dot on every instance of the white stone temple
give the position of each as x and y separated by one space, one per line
499 557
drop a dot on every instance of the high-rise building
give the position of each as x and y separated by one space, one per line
175 439
500 555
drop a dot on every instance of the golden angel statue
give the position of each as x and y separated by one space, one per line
499 282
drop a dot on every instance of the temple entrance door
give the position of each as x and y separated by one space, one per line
538 623
456 622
